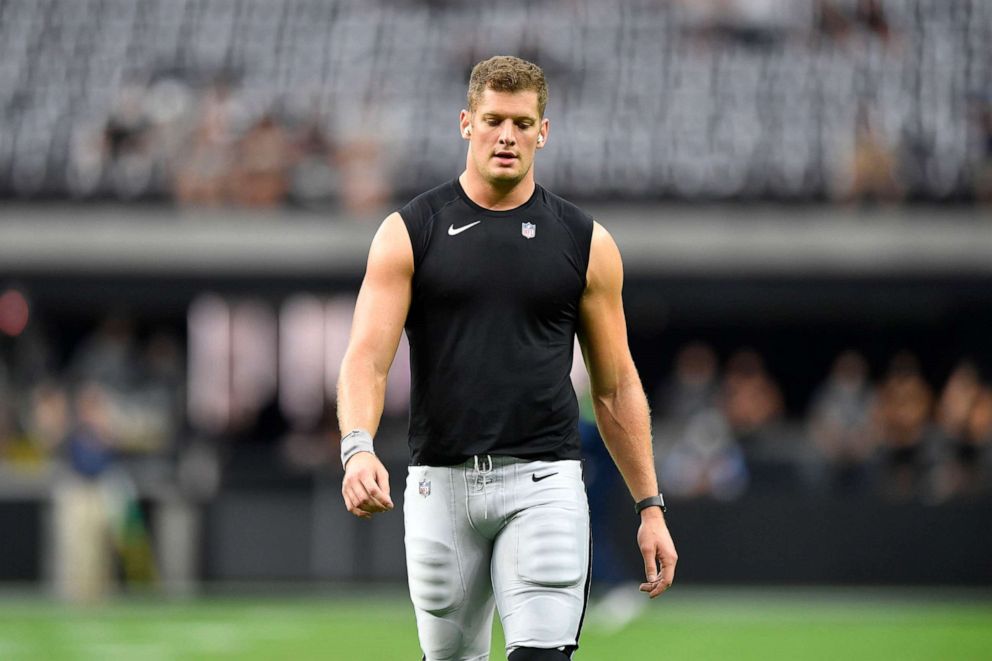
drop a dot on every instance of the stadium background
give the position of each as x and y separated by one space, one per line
799 189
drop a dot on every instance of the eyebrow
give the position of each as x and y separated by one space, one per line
494 115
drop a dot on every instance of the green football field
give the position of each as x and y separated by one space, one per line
685 624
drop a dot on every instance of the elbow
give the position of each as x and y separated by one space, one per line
611 395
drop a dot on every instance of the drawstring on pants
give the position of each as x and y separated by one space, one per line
481 474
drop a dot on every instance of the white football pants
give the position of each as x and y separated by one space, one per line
497 527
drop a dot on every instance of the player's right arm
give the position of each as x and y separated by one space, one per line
380 313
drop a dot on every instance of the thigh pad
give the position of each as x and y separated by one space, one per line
552 546
435 578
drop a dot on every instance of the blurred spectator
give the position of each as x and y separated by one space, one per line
702 457
903 415
365 185
753 406
157 402
706 460
840 423
128 143
203 171
314 176
957 400
89 443
755 23
873 164
108 355
693 387
264 157
141 389
83 519
842 20
162 363
752 400
964 418
47 416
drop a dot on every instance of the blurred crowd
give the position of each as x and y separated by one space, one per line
213 147
899 437
119 398
338 103
119 394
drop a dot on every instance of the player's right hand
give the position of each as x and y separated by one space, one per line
366 486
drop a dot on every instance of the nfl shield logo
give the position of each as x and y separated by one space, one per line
425 488
528 230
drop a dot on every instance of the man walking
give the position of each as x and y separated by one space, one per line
492 277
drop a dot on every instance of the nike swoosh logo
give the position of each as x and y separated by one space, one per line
542 477
452 231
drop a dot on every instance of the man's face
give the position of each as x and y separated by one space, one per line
504 131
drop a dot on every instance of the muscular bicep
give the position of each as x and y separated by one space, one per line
384 299
603 328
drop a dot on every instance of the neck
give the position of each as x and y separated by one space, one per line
493 196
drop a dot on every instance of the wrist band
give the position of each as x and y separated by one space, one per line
354 442
652 501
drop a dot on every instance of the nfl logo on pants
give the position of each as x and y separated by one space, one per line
528 230
425 488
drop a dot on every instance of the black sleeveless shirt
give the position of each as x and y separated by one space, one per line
492 322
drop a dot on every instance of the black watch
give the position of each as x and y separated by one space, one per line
653 501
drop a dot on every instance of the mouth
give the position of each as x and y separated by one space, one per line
505 157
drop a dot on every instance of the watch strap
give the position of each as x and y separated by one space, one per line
651 501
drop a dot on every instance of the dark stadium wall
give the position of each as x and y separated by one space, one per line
301 533
799 324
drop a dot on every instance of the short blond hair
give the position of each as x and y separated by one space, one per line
505 73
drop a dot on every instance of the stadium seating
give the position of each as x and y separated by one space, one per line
649 100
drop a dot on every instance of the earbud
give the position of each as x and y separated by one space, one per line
540 139
467 131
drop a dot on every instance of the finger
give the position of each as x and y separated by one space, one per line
668 570
666 578
658 588
648 587
360 498
368 501
357 511
650 556
382 479
349 503
378 500
353 501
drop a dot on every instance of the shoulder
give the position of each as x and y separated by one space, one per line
569 213
605 265
576 222
391 245
418 216
422 208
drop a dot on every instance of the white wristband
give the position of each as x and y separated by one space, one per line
354 442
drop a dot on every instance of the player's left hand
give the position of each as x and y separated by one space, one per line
658 551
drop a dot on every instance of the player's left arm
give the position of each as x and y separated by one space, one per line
621 407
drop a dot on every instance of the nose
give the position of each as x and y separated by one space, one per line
506 136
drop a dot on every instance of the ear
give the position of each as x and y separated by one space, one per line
465 124
542 136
